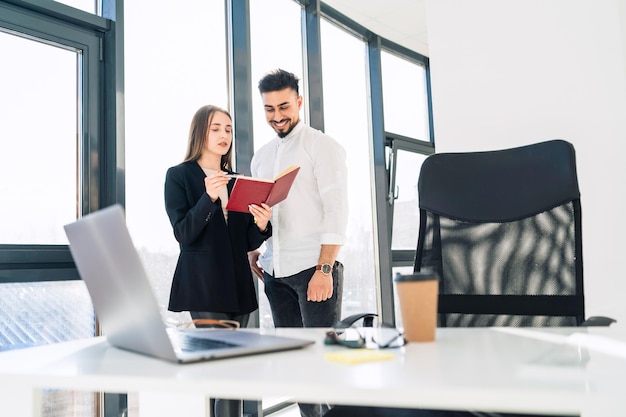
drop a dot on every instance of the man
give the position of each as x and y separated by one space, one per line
303 279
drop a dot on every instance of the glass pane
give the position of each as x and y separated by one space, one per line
405 207
59 403
88 6
405 98
268 56
38 141
343 65
40 313
271 50
168 76
27 309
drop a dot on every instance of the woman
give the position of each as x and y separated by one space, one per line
212 279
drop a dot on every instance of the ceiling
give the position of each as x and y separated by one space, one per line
400 21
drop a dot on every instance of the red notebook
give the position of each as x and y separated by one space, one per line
249 190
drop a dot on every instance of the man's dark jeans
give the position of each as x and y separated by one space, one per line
290 308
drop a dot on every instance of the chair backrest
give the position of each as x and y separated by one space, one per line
503 231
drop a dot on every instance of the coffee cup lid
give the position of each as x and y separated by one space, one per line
416 276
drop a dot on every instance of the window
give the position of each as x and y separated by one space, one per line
405 97
38 123
405 207
406 114
272 49
405 224
346 120
51 83
168 76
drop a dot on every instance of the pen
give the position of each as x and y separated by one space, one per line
233 175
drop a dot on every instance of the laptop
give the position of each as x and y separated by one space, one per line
126 306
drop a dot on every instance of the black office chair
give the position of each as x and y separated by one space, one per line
503 231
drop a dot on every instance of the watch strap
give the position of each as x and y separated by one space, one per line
324 268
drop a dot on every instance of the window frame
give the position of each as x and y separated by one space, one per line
76 30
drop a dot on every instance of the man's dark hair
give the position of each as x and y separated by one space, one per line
278 80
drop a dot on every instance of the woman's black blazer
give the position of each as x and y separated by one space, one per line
212 273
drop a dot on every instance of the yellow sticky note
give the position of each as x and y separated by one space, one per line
354 356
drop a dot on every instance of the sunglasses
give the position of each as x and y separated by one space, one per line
370 334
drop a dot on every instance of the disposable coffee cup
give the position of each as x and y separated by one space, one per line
417 294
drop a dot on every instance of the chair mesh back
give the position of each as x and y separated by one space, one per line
525 272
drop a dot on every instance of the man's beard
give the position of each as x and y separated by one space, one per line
283 133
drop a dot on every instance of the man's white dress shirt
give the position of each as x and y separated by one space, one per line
316 209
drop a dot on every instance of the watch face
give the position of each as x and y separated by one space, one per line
326 269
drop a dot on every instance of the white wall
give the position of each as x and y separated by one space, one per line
509 73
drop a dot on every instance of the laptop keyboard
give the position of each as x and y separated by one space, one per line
190 343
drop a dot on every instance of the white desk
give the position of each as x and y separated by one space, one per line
514 370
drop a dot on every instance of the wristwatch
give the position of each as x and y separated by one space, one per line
325 268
